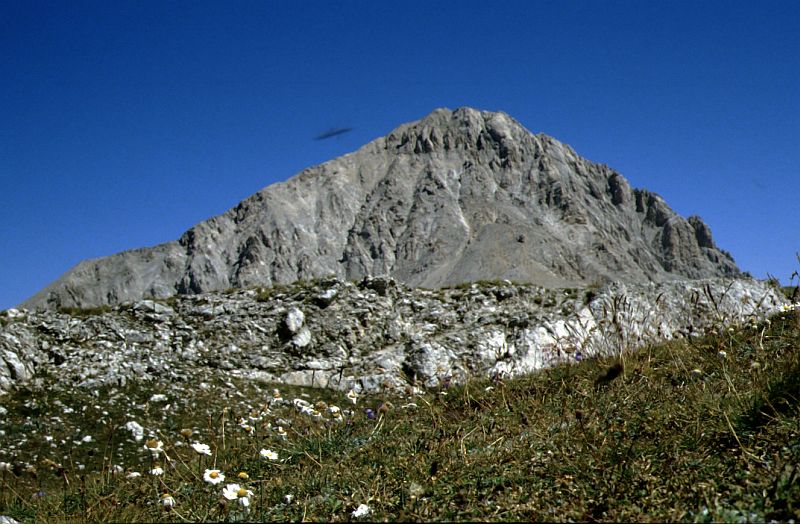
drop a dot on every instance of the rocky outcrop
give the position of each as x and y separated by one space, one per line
458 196
367 336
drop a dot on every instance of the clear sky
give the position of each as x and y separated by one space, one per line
124 123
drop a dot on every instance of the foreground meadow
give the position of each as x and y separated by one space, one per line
700 430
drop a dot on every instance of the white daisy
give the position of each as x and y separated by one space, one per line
353 396
154 446
276 397
213 476
238 493
202 449
136 430
268 454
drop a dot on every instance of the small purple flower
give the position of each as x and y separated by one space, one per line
578 356
369 413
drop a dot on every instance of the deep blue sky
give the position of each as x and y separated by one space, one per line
122 124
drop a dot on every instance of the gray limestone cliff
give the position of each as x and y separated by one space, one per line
458 196
367 336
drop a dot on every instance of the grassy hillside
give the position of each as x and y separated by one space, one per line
701 430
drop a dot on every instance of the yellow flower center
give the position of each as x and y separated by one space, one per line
152 443
242 492
244 476
213 474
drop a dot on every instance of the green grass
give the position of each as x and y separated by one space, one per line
706 429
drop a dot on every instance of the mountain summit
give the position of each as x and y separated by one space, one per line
457 196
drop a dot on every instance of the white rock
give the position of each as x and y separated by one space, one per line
303 338
294 320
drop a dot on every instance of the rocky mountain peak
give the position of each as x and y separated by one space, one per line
457 196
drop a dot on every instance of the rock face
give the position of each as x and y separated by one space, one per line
458 196
366 336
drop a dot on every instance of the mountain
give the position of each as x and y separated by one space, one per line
458 196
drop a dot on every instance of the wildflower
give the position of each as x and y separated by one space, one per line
157 470
154 446
238 493
722 353
276 396
167 500
336 414
696 372
361 511
202 449
133 475
243 475
353 396
86 439
186 433
369 413
301 405
136 430
213 476
5 466
158 398
116 469
282 433
288 498
268 454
